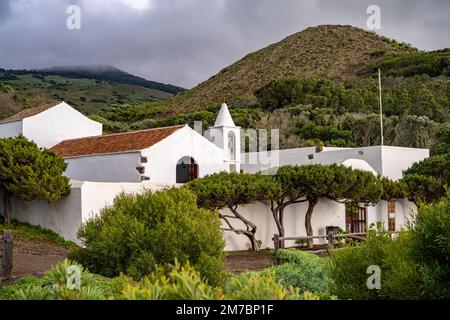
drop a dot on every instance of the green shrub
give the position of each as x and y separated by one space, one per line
54 286
139 231
399 278
303 270
185 283
179 283
430 241
167 282
413 266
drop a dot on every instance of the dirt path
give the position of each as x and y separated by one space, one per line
34 258
239 261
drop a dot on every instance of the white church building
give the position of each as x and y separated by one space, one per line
102 166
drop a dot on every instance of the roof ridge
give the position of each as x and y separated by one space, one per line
124 133
114 143
18 115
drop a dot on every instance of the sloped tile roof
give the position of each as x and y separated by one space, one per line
113 143
30 112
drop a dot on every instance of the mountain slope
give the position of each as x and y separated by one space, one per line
87 88
333 52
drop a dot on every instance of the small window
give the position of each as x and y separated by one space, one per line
231 146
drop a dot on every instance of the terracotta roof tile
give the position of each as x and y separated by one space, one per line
113 143
29 112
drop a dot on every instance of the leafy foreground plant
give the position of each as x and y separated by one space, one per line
56 284
140 231
413 266
302 270
175 283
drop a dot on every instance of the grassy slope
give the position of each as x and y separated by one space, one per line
34 233
87 95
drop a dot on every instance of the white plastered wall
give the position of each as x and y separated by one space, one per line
387 161
84 202
117 167
163 156
59 123
10 129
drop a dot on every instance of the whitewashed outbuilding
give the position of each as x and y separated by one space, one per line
50 124
174 154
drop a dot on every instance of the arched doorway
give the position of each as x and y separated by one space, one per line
187 170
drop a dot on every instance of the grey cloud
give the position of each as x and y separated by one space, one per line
185 42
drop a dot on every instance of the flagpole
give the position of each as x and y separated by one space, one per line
381 108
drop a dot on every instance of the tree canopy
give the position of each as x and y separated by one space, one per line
229 190
437 166
424 189
30 173
393 189
337 183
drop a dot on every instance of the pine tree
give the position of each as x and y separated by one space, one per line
28 172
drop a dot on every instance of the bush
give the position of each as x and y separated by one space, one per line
260 286
303 270
176 282
399 277
139 231
430 241
413 266
179 283
53 286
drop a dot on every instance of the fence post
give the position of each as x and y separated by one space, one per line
276 246
276 242
7 260
330 239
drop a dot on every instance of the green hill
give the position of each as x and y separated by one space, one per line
87 88
318 86
333 52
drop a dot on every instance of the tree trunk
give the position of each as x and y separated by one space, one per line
277 207
253 241
7 207
250 231
308 226
278 213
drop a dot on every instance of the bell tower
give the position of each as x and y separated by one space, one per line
226 135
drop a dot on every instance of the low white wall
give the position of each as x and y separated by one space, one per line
326 213
84 202
118 167
88 198
64 217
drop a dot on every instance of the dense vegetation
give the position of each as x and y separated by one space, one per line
28 172
169 248
413 266
139 231
176 282
314 111
302 270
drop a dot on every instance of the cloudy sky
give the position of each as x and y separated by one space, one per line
184 42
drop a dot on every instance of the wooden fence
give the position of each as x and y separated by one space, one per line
7 254
278 242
